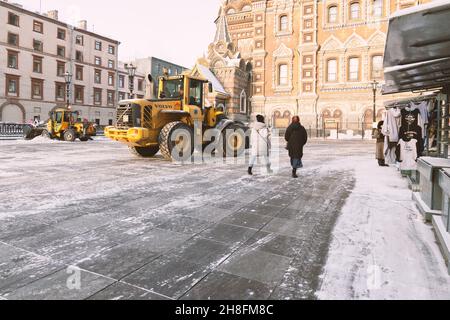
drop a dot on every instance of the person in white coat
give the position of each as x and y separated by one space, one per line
260 143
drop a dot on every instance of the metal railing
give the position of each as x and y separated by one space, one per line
11 129
338 131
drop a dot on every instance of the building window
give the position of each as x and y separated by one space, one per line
110 99
111 49
140 85
38 45
61 51
377 67
13 39
60 91
98 76
98 61
332 70
37 64
79 56
111 79
37 88
79 40
333 14
61 34
13 59
13 19
97 96
60 68
38 26
355 11
98 45
377 8
243 102
284 23
12 85
111 64
283 75
79 73
121 96
353 69
79 94
121 82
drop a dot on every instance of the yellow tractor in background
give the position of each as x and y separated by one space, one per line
64 124
177 122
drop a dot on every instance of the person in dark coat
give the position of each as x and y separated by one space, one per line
380 145
296 137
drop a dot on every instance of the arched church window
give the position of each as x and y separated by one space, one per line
377 8
243 102
284 23
247 8
231 11
355 11
332 14
283 75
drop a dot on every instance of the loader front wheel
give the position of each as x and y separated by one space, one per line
176 141
70 135
145 152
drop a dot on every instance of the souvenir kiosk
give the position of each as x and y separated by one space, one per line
417 60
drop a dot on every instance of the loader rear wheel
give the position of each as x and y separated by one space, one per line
70 135
233 141
143 152
45 134
176 141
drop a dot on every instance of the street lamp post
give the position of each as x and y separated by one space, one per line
68 78
131 74
374 88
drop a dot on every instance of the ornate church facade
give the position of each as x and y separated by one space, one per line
314 58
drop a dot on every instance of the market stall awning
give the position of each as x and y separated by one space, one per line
417 52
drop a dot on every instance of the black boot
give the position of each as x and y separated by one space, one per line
250 171
294 174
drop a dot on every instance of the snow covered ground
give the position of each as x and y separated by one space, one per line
148 229
382 249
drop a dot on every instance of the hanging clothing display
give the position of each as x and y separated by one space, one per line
408 154
391 132
424 109
391 124
413 132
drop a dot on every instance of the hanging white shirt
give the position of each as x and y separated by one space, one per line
408 154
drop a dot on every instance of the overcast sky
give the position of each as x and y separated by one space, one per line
175 30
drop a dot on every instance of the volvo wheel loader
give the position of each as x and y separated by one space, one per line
64 124
176 123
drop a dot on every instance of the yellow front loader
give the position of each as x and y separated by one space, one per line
172 122
64 124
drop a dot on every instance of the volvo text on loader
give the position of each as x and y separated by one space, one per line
176 123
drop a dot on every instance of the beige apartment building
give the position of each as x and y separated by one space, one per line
315 58
36 50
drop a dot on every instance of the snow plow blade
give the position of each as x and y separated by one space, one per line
29 132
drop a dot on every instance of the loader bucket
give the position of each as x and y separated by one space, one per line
29 132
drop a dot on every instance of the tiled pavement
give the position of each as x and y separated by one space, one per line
211 235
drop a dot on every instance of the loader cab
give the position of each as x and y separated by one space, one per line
60 116
189 90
